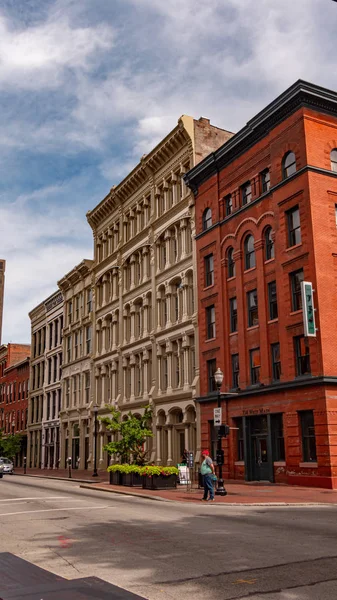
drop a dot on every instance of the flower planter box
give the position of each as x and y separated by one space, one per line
115 478
132 479
159 482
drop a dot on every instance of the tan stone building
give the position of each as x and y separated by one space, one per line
43 449
145 342
2 292
76 417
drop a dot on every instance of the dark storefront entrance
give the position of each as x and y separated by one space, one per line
263 444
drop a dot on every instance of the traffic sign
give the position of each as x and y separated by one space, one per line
217 417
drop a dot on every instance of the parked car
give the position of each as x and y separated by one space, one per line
8 466
1 469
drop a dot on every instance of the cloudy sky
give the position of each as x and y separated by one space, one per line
88 86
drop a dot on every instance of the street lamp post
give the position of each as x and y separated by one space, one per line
218 378
95 409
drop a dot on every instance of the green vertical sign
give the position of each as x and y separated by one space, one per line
308 309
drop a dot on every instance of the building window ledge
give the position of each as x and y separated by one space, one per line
253 327
293 247
296 312
249 270
270 260
233 333
209 287
239 463
309 465
272 321
279 463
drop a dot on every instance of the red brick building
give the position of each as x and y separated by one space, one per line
14 389
266 207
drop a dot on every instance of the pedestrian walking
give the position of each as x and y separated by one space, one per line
208 472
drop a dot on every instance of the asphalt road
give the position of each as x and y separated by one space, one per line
168 551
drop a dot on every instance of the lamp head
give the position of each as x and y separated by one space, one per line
218 378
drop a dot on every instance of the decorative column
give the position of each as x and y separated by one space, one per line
133 366
113 380
169 367
132 316
159 309
103 375
145 316
124 366
174 188
167 242
132 263
114 332
158 432
145 374
145 256
159 367
186 436
185 301
103 335
125 326
97 376
183 228
186 346
98 337
168 300
169 445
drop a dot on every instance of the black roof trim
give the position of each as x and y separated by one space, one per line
300 94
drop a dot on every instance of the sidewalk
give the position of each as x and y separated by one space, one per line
76 474
239 493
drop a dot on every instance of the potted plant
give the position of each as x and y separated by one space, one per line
115 475
159 478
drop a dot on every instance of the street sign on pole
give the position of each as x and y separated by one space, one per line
217 417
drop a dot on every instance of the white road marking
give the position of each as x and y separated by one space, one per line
27 512
35 498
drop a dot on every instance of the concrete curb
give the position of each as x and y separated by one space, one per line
127 493
58 478
232 504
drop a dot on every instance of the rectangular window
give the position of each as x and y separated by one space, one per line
265 181
253 315
87 387
70 311
277 436
69 348
209 270
246 193
228 205
276 361
233 312
210 322
76 344
302 356
88 339
272 300
294 226
89 301
296 278
235 371
308 436
255 364
77 308
211 368
240 439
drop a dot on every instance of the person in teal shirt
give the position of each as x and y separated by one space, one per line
208 472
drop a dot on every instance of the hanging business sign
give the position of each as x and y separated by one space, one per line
308 309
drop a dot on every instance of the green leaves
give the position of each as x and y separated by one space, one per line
10 445
131 433
146 470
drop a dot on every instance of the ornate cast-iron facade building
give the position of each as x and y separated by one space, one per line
45 383
76 416
145 313
266 206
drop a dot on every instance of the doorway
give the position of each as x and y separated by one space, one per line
258 448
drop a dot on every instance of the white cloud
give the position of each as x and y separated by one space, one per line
38 56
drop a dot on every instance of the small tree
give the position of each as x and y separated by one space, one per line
10 445
132 434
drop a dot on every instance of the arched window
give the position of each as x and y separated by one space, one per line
289 164
249 252
230 262
269 244
207 219
333 158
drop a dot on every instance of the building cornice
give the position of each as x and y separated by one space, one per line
78 273
272 388
149 164
300 95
